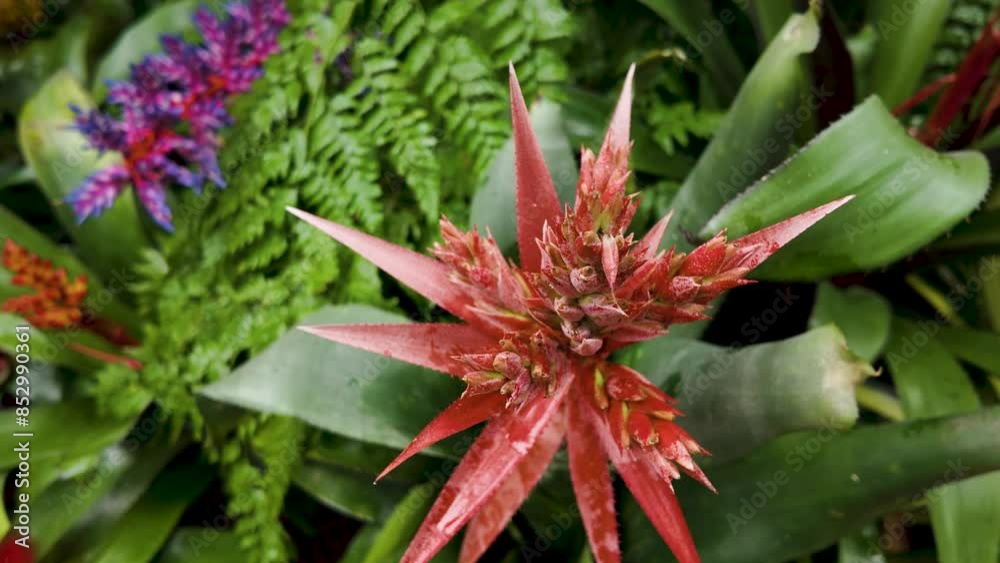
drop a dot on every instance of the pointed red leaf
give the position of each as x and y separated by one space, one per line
588 470
657 499
654 494
650 243
466 412
425 275
769 239
537 201
492 457
430 345
491 519
617 136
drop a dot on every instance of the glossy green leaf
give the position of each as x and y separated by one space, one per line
63 432
61 159
73 513
350 492
735 399
769 16
861 314
861 547
370 459
906 33
977 347
899 183
708 40
387 542
341 389
756 133
493 205
800 493
200 545
141 531
930 383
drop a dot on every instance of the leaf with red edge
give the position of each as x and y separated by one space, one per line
491 519
492 457
617 136
768 240
430 345
537 201
592 484
465 412
654 495
424 274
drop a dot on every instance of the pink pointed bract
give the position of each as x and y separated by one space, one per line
534 347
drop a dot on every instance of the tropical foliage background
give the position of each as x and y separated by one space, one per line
849 398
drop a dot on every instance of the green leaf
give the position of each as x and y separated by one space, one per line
349 492
907 32
735 399
200 545
341 389
63 432
981 233
708 40
110 243
141 40
53 346
769 16
756 133
977 347
861 547
930 382
388 541
493 206
802 492
369 459
861 314
74 512
139 533
899 184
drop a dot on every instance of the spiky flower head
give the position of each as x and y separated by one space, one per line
535 343
172 108
57 299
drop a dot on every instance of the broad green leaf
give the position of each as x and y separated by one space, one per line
907 32
769 16
802 492
140 532
61 159
370 459
142 39
861 547
349 492
200 545
861 314
756 133
977 347
735 399
900 184
493 205
63 432
930 383
76 511
708 40
53 346
340 389
388 541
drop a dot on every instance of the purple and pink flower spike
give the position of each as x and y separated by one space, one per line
185 87
535 343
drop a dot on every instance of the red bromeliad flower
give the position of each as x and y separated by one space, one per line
535 344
